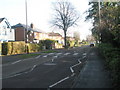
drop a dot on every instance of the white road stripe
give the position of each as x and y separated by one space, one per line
55 56
66 53
71 70
59 82
84 54
16 61
75 54
45 56
59 53
50 53
21 73
37 56
83 57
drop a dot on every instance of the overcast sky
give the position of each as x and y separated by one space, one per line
40 12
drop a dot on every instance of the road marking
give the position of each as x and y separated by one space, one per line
59 53
59 82
84 54
21 73
75 54
52 60
50 53
16 61
66 53
37 56
83 57
71 68
55 56
45 56
33 68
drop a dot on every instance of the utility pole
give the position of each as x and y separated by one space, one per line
27 50
99 21
26 21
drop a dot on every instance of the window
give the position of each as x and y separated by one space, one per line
8 25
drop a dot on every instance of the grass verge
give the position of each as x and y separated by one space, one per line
24 56
49 51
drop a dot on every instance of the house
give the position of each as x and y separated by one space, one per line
44 36
6 32
25 33
70 38
56 36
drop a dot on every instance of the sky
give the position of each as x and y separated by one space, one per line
40 13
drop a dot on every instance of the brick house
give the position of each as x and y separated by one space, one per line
32 35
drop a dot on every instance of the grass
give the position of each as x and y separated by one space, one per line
27 56
49 51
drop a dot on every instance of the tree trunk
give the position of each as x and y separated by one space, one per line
65 40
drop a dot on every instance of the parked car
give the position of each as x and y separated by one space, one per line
91 45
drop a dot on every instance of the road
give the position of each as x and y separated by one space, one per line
50 70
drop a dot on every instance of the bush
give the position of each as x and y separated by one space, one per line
47 43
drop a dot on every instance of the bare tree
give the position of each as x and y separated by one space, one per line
65 16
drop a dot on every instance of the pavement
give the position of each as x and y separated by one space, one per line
94 74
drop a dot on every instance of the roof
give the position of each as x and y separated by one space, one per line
1 19
54 34
29 28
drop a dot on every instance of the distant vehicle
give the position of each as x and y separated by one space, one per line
91 45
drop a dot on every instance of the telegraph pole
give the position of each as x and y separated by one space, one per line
26 20
26 40
99 21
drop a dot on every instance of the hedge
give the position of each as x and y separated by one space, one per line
112 56
20 47
10 48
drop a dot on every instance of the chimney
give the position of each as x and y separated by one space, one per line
32 26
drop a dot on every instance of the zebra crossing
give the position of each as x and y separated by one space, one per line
59 54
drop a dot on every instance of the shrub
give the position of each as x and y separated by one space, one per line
47 43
